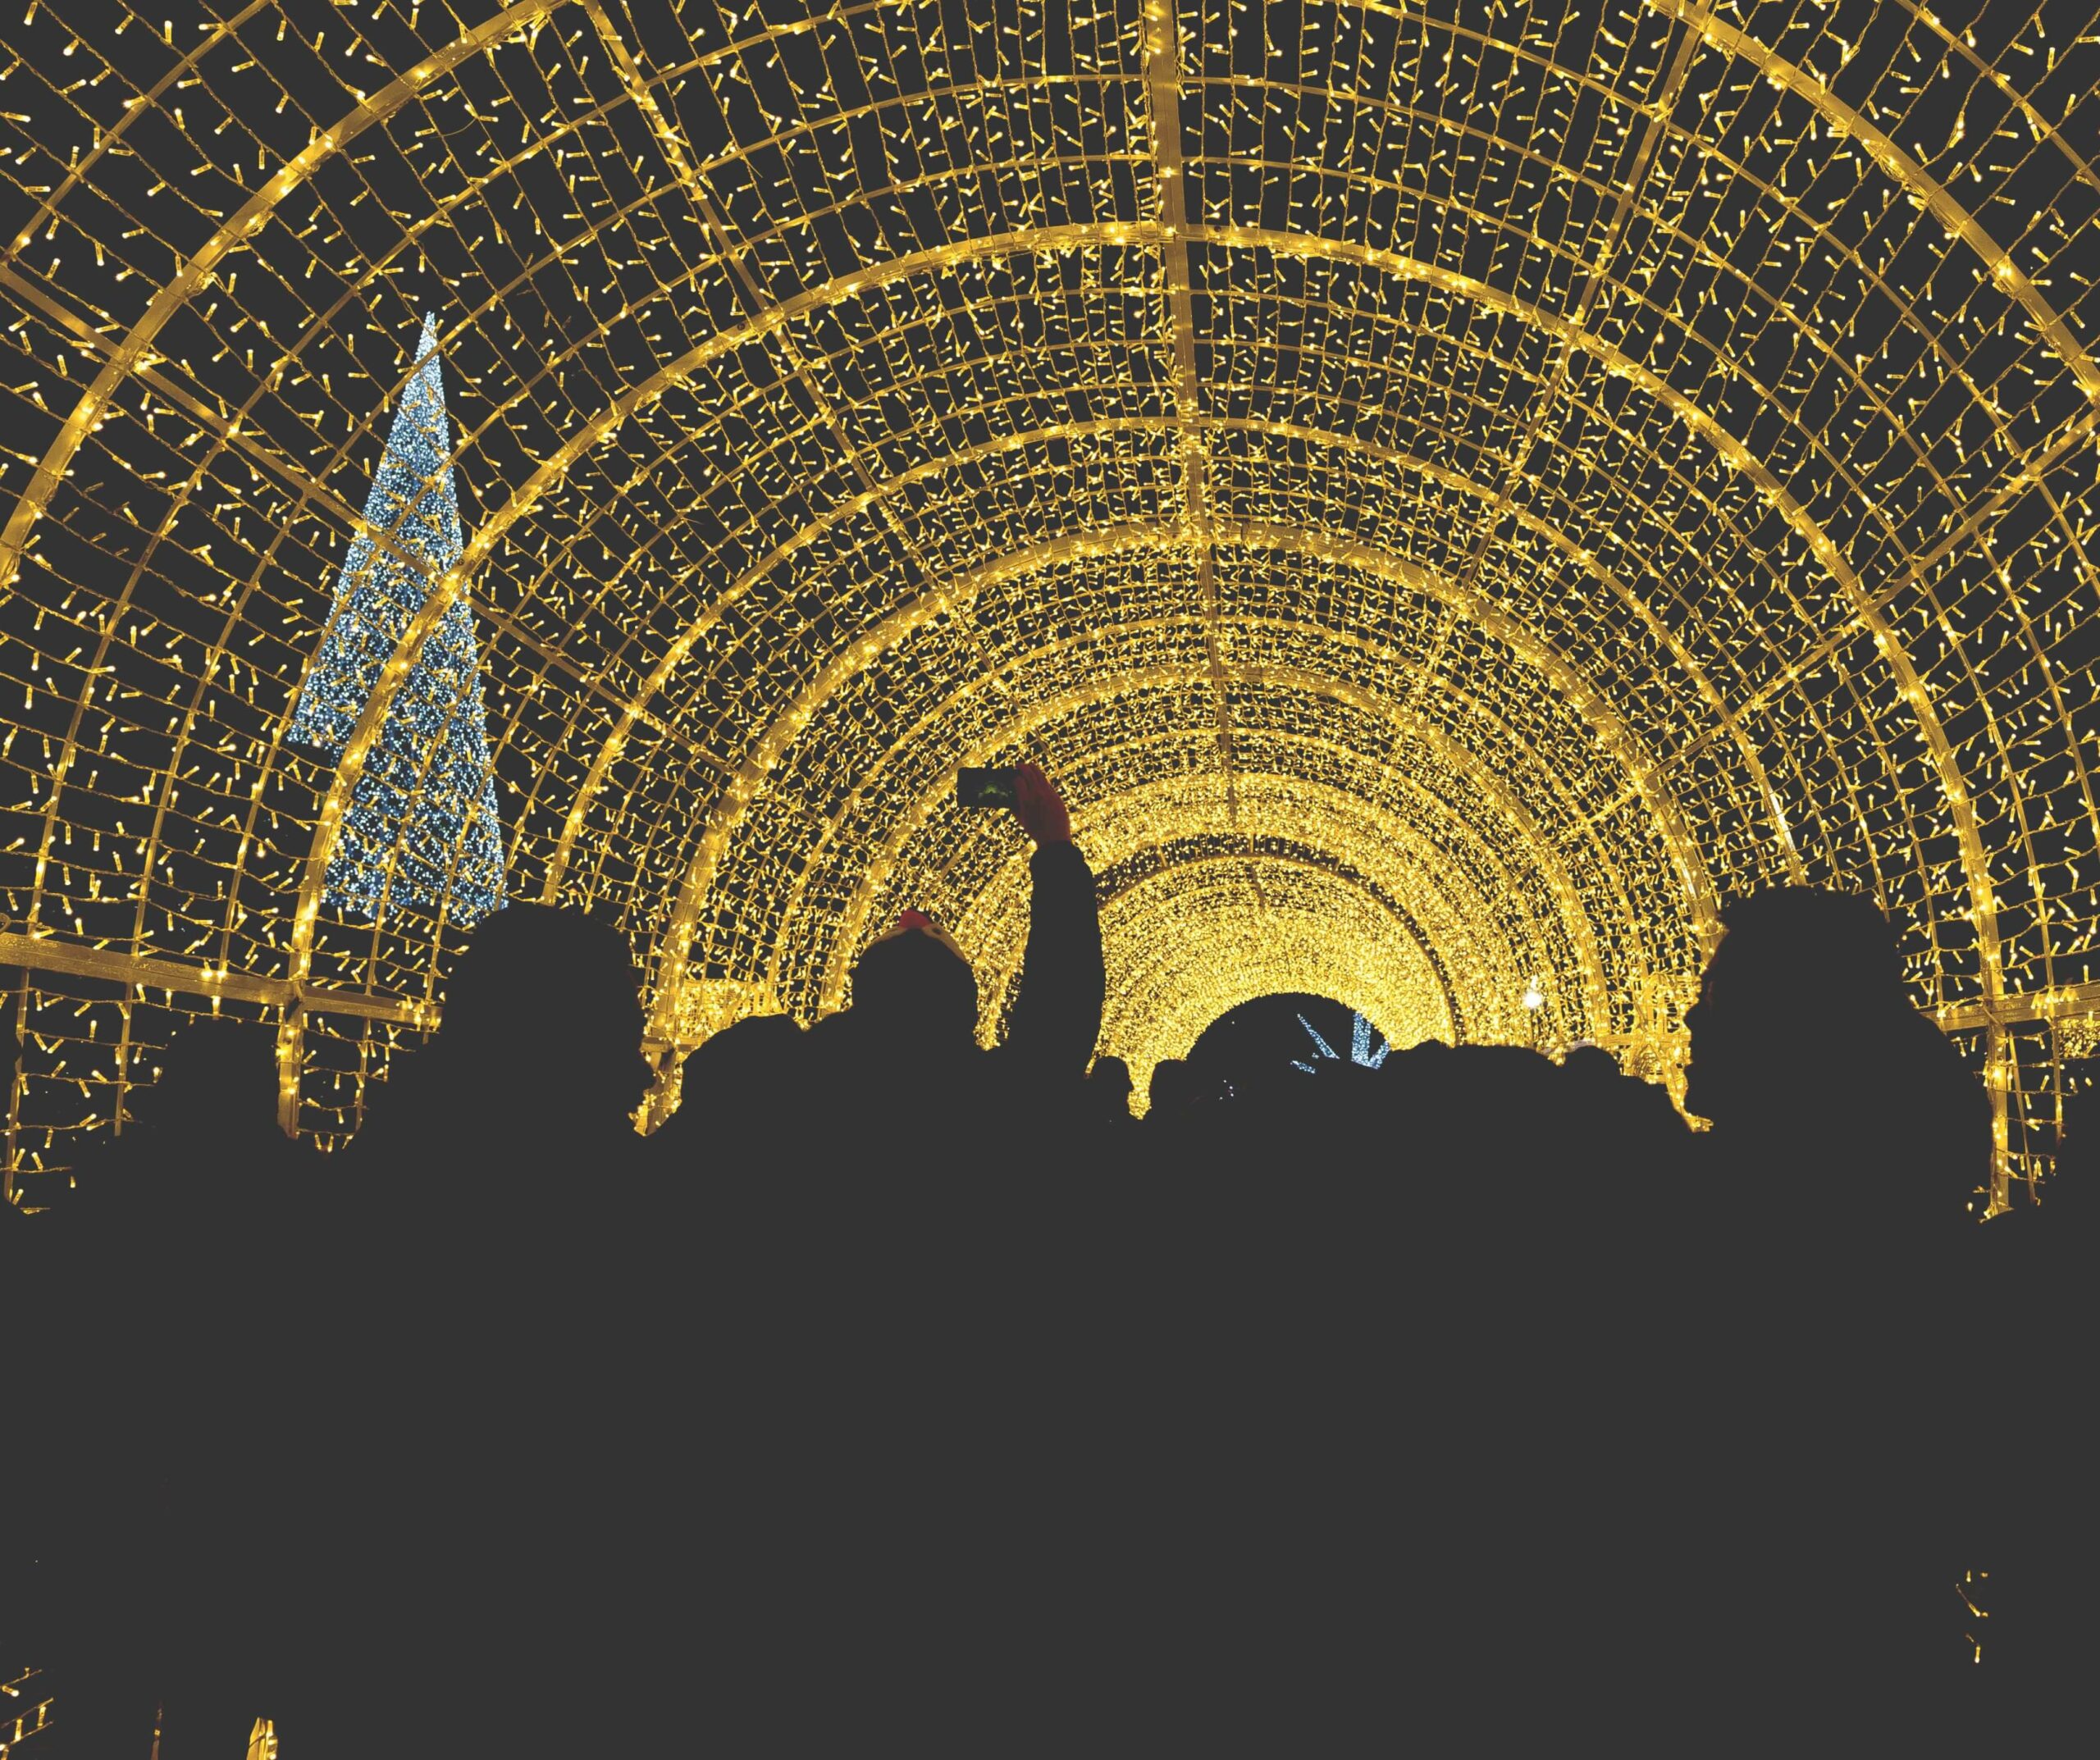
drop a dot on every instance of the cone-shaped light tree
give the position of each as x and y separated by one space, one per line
422 826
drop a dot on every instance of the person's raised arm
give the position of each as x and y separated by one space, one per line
1057 1014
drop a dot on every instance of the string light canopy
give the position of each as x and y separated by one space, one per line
1453 493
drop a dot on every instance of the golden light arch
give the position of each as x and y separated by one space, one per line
1425 865
1322 936
1479 958
1490 801
1731 364
793 723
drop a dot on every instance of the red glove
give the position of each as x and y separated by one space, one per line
1039 807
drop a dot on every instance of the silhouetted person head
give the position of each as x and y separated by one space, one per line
1503 1097
216 1076
1108 1088
1172 1088
733 1081
1592 1065
1808 1056
546 1002
200 1164
914 993
914 988
1791 1002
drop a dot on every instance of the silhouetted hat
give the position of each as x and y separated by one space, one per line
915 975
535 970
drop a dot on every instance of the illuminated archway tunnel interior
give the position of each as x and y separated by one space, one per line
1453 492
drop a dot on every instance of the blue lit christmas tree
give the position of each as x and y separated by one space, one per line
427 797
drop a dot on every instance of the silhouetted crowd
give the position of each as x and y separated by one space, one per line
899 1392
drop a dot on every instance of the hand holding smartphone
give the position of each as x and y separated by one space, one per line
1025 791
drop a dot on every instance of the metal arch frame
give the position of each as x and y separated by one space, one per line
999 895
1942 207
1961 225
1453 886
1046 714
902 481
733 337
737 335
1138 537
538 486
1461 761
423 567
902 623
1737 42
309 490
2075 755
1865 611
1371 859
1846 369
1350 875
1933 196
1001 979
1144 979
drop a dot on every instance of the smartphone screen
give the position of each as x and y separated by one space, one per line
984 788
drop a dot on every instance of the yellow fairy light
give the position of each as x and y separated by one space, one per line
1452 499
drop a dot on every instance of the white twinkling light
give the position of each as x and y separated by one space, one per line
422 825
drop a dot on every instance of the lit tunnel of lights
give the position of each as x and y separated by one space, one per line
1454 494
